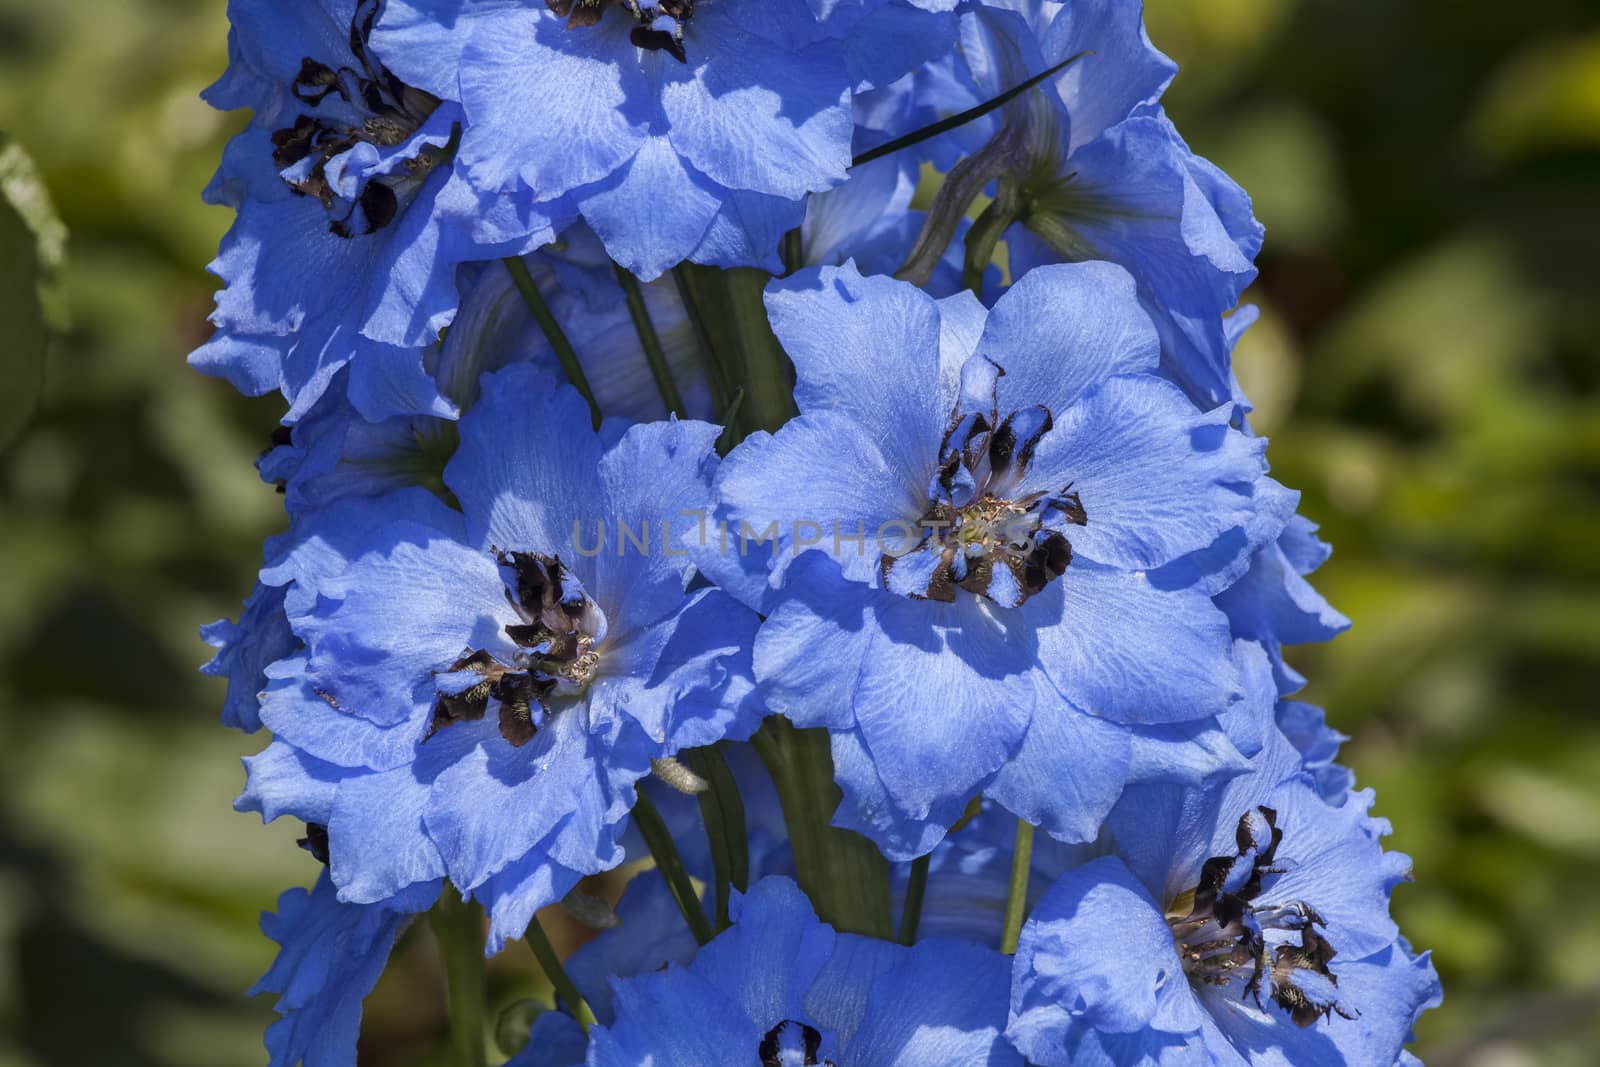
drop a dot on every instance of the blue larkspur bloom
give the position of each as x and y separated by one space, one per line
967 581
680 130
352 216
478 691
970 871
780 987
1091 168
333 453
1245 922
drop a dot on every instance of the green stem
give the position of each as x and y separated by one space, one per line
659 840
917 881
724 391
723 811
916 890
565 988
843 873
1017 898
768 374
458 924
650 341
794 250
552 331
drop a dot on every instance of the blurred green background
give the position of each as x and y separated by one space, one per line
1428 367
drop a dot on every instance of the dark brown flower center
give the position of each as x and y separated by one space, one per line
1220 929
649 34
556 653
980 532
378 109
792 1044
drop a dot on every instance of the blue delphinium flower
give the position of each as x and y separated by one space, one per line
1245 922
680 130
962 578
484 688
330 957
780 987
352 217
1089 167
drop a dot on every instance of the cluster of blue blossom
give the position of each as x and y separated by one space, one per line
561 292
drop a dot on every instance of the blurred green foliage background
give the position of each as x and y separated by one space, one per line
1428 367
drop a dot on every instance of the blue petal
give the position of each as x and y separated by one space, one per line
852 493
652 212
651 1013
387 625
944 697
1061 330
741 96
377 844
771 956
293 711
557 109
842 331
747 230
945 1004
1119 648
1068 772
869 810
1123 72
1157 479
497 802
656 479
243 652
1097 953
525 472
284 781
651 936
332 954
555 1040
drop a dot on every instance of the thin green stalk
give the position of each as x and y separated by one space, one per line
769 376
723 811
545 953
730 417
458 924
794 250
1017 897
946 125
724 391
843 873
552 331
916 890
917 881
659 840
650 341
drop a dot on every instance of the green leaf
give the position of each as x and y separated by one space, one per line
23 188
22 343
